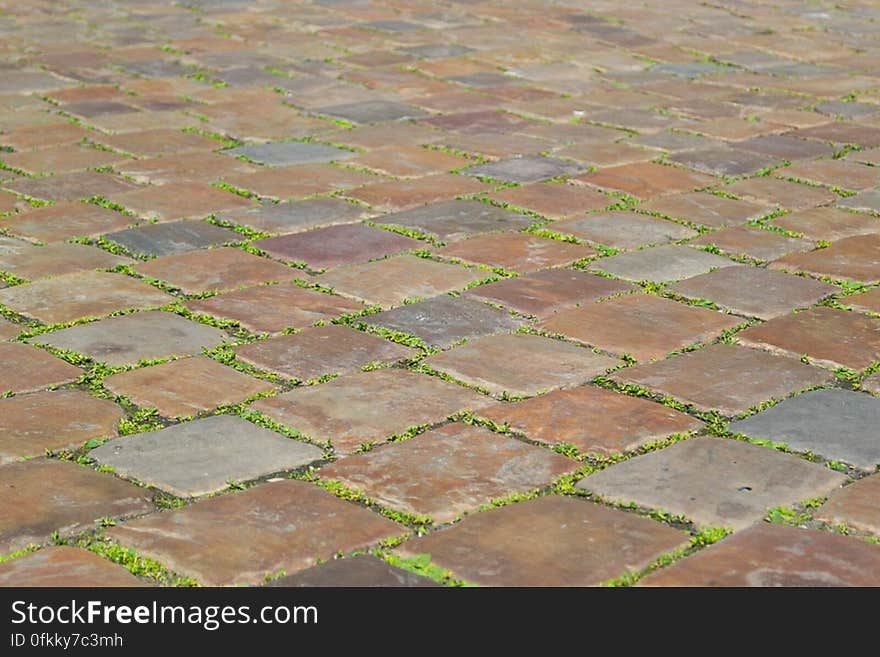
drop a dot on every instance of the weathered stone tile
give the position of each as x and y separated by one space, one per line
65 158
828 224
202 167
409 161
707 209
724 161
605 154
296 216
791 195
455 220
242 537
755 243
716 482
867 201
28 137
833 173
853 258
361 571
26 369
161 141
786 146
866 301
9 330
56 259
72 186
516 251
171 238
373 111
184 200
857 506
529 168
541 542
60 565
622 230
553 199
646 179
59 222
290 152
477 122
660 263
405 194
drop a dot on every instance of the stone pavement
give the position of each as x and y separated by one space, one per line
439 292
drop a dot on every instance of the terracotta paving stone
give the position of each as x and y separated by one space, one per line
409 161
302 180
493 146
786 146
324 248
61 565
828 336
368 407
194 167
127 339
373 111
41 497
828 224
61 159
402 195
185 387
857 506
866 301
529 168
755 243
646 179
622 230
361 571
316 352
162 141
707 209
297 216
57 259
283 525
40 136
660 263
724 161
454 220
543 293
853 258
791 195
842 132
56 223
76 296
833 173
541 542
446 472
716 482
867 201
754 291
644 326
8 330
72 186
26 369
516 251
10 202
186 200
724 377
379 135
170 238
553 200
479 122
598 154
391 281
223 268
776 555
53 420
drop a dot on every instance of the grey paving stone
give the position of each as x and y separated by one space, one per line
361 571
296 216
455 220
848 110
865 201
437 50
688 70
529 168
672 262
174 237
290 152
373 111
393 26
835 424
724 161
484 79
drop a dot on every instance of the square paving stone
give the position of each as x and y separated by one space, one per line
554 200
725 377
543 293
791 195
300 180
127 339
391 281
290 152
646 179
324 248
605 154
53 420
622 230
529 168
716 482
828 336
202 456
296 216
179 200
60 565
76 296
660 264
405 194
776 555
867 201
455 220
594 420
317 352
273 308
361 571
755 243
833 173
642 325
194 167
223 268
444 320
161 141
786 146
61 159
373 111
828 224
856 506
175 237
57 259
368 407
866 301
449 471
516 251
59 222
242 537
835 424
754 291
41 497
853 258
520 364
724 161
27 369
185 387
72 186
409 161
548 541
707 209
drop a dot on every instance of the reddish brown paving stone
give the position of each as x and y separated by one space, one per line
223 268
401 195
10 202
548 541
707 209
716 482
646 179
828 336
833 173
409 161
301 180
853 258
184 200
828 224
724 377
866 301
76 296
368 407
446 472
298 216
543 293
28 137
553 199
754 291
72 186
844 132
642 325
194 167
454 220
62 159
9 330
516 251
381 135
62 221
787 146
594 420
857 506
776 555
27 369
493 146
316 352
622 230
598 154
53 420
161 141
520 364
185 387
791 195
58 259
362 571
41 497
61 565
755 243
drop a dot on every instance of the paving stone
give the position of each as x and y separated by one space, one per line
368 407
185 387
317 352
301 180
185 200
525 169
724 161
37 136
791 195
622 230
455 220
833 173
406 194
828 336
754 291
786 146
194 167
242 537
541 542
855 506
391 281
65 158
866 301
361 571
755 243
56 260
867 201
776 555
162 141
76 296
853 258
553 200
828 224
449 471
175 237
373 111
438 50
409 161
41 497
53 420
646 179
600 154
725 377
72 186
716 482
60 565
844 132
127 339
9 330
293 217
660 263
707 209
62 221
872 384
516 251
290 152
202 456
27 369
